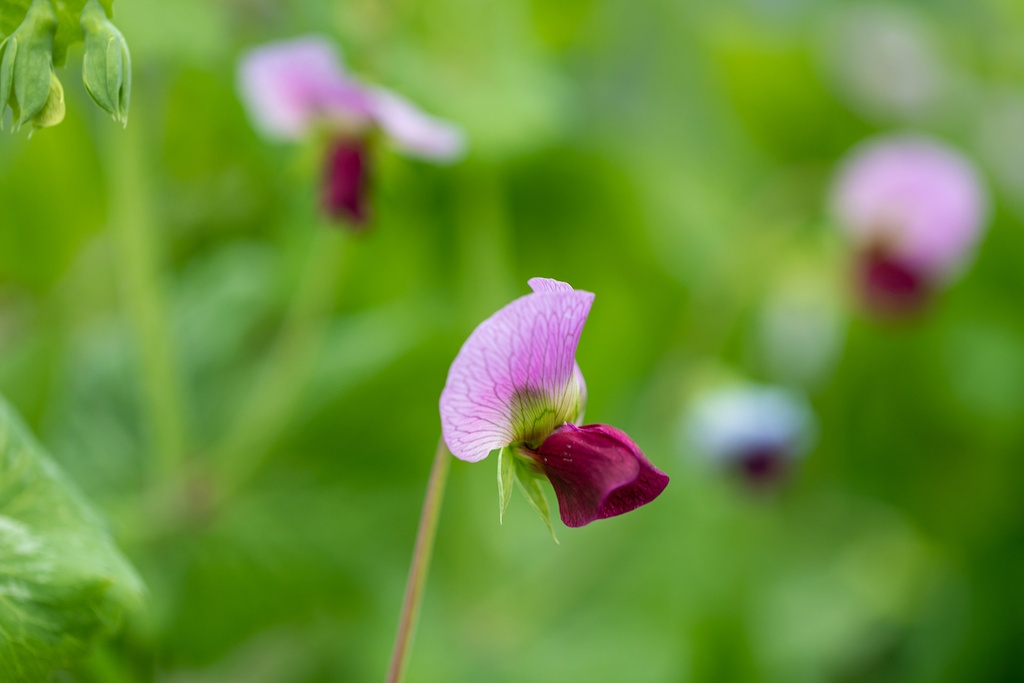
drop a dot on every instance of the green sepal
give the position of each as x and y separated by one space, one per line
63 583
31 80
506 477
107 63
8 53
529 484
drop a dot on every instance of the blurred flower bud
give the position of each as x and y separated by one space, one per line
107 64
885 62
999 137
914 209
756 431
28 84
801 325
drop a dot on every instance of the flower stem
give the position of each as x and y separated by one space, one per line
420 563
142 289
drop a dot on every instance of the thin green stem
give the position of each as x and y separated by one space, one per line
142 289
261 419
420 563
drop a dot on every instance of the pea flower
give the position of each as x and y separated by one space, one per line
515 386
758 432
914 209
295 88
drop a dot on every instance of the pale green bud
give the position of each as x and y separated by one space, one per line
28 84
52 112
107 64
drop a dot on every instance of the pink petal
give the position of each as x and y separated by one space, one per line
288 86
523 354
597 472
582 385
546 284
919 200
414 131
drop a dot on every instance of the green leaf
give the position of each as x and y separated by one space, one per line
62 581
506 476
529 484
12 12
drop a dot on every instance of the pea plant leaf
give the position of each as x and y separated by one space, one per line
68 30
63 583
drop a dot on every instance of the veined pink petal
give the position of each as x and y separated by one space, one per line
289 85
523 356
546 284
415 131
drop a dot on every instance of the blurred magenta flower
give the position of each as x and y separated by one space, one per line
915 210
757 431
295 88
515 386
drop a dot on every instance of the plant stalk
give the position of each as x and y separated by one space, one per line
420 563
136 232
271 404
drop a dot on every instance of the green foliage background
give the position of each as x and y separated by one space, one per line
250 396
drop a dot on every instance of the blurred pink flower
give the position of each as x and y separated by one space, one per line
515 384
294 88
915 210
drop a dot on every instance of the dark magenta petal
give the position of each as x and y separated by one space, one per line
346 181
891 287
597 472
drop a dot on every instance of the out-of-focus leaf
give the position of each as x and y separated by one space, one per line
360 345
68 30
63 583
486 71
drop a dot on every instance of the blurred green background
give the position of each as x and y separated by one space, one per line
250 395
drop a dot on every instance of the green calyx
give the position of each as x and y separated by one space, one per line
514 467
28 84
107 64
537 413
